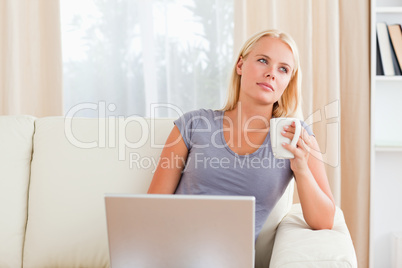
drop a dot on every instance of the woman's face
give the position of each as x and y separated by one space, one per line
265 72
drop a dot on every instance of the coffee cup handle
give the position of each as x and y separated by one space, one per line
273 130
297 133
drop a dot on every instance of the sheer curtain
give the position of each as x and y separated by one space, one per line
30 58
135 57
333 41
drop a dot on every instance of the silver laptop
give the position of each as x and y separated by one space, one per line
180 231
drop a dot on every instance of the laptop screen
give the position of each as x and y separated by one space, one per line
180 230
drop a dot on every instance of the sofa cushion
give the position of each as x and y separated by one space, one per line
16 133
66 220
297 245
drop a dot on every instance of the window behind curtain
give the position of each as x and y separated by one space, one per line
121 56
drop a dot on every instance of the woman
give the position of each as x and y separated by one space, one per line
228 152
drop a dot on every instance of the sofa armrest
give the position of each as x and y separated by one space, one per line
297 245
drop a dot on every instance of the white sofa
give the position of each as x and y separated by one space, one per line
54 173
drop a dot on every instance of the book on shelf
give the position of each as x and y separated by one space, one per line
389 60
379 70
395 34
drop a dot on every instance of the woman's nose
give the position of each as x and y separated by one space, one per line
270 74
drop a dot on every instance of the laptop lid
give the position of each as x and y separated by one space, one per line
180 230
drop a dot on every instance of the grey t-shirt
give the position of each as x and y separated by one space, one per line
212 168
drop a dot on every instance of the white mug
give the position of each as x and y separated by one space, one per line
276 127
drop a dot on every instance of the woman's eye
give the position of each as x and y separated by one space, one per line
283 69
263 61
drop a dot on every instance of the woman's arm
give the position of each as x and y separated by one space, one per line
171 163
313 188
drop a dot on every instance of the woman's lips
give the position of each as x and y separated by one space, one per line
266 86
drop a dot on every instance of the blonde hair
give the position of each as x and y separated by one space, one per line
288 103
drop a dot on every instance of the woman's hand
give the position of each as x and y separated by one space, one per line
299 164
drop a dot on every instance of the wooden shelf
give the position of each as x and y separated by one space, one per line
388 9
382 148
388 78
388 146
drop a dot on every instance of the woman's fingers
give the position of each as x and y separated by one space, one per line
304 139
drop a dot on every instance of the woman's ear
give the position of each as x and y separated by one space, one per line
239 66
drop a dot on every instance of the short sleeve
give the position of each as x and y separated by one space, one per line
307 128
186 124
